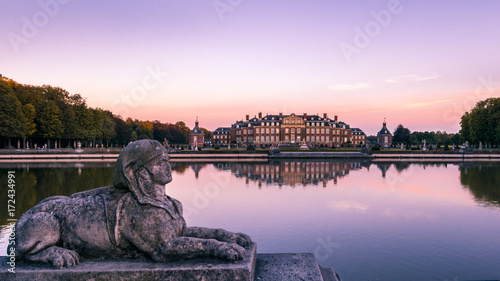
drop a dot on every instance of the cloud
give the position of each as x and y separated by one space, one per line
345 206
349 87
411 77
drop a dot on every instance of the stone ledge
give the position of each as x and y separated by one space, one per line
292 267
205 269
258 267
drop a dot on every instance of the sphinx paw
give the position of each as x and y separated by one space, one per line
231 252
243 240
62 257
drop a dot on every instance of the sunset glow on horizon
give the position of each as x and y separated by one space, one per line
417 63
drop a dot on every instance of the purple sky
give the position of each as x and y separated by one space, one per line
418 63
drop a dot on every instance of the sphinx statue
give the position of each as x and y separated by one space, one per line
132 218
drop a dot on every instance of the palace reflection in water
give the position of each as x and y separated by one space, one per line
36 181
294 173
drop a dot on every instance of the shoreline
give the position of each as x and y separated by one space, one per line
259 156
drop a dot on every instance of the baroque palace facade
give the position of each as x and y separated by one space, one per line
314 130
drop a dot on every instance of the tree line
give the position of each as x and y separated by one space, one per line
41 116
480 124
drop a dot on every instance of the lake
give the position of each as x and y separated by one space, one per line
368 220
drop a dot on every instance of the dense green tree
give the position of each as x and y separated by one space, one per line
184 130
401 135
108 126
29 114
123 131
455 138
12 120
482 123
49 126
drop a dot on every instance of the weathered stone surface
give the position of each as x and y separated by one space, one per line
258 267
291 267
133 218
206 269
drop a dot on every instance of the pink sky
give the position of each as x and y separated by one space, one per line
422 64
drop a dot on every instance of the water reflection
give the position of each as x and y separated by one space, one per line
391 220
483 181
294 173
36 181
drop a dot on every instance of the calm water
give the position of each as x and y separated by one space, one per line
368 220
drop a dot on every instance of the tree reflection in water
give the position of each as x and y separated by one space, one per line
483 181
37 181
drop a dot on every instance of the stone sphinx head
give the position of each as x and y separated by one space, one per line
144 170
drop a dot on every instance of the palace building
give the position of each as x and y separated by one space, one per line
384 136
314 130
221 136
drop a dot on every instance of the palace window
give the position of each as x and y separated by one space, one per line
307 131
272 130
267 139
327 139
267 130
277 130
312 131
312 138
298 130
272 138
327 131
293 130
277 138
307 138
322 131
322 139
286 130
286 138
262 130
244 139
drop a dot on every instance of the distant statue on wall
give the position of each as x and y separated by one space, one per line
132 218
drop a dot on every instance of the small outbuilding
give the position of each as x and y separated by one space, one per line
384 136
196 137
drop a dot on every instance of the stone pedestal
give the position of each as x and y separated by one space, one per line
206 269
258 267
